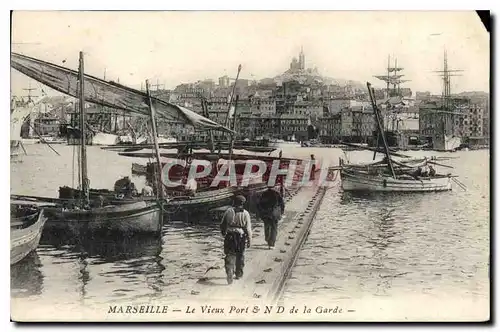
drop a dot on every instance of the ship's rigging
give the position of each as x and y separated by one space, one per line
393 78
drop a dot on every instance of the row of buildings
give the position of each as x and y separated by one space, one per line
354 121
302 104
290 104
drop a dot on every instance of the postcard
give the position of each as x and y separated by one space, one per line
180 166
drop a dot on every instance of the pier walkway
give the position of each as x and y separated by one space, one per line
265 270
208 297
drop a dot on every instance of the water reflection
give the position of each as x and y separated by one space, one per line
106 247
122 261
382 262
26 279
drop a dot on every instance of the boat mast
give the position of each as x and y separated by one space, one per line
226 123
204 107
83 159
159 184
380 128
233 135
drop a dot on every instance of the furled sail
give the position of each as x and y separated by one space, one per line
108 94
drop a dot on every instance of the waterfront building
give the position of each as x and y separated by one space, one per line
330 129
263 105
294 125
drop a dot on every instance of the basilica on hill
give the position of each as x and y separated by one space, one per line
298 72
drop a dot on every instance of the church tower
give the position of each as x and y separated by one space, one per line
302 59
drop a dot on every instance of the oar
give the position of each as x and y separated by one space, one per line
442 165
458 181
402 165
22 147
43 141
461 185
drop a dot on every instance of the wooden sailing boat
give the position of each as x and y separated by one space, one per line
135 215
139 216
390 175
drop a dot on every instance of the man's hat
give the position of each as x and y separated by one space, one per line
239 200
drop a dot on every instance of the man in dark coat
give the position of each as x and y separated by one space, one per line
270 208
236 227
313 168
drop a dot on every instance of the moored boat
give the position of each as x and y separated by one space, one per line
26 225
101 138
130 217
362 181
392 175
82 213
280 143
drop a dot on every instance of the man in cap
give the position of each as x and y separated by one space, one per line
270 208
236 227
313 168
125 186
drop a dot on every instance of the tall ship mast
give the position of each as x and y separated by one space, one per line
393 78
444 133
446 74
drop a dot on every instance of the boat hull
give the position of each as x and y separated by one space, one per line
284 145
28 141
354 181
134 217
105 139
25 240
179 206
447 143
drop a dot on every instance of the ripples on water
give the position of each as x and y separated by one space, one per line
377 245
394 244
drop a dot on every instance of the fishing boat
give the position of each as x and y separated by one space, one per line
135 215
17 117
130 217
101 138
52 140
280 144
26 225
364 181
209 194
29 141
391 175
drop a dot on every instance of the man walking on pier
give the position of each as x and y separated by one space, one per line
236 227
270 208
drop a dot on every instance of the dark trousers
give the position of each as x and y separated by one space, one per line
234 249
270 230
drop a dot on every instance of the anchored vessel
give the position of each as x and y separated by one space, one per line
390 174
80 213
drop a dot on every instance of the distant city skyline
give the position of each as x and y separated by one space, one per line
184 47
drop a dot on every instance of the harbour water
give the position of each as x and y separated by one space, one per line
360 246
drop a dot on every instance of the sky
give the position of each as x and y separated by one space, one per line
181 47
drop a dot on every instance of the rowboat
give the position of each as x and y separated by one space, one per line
26 225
